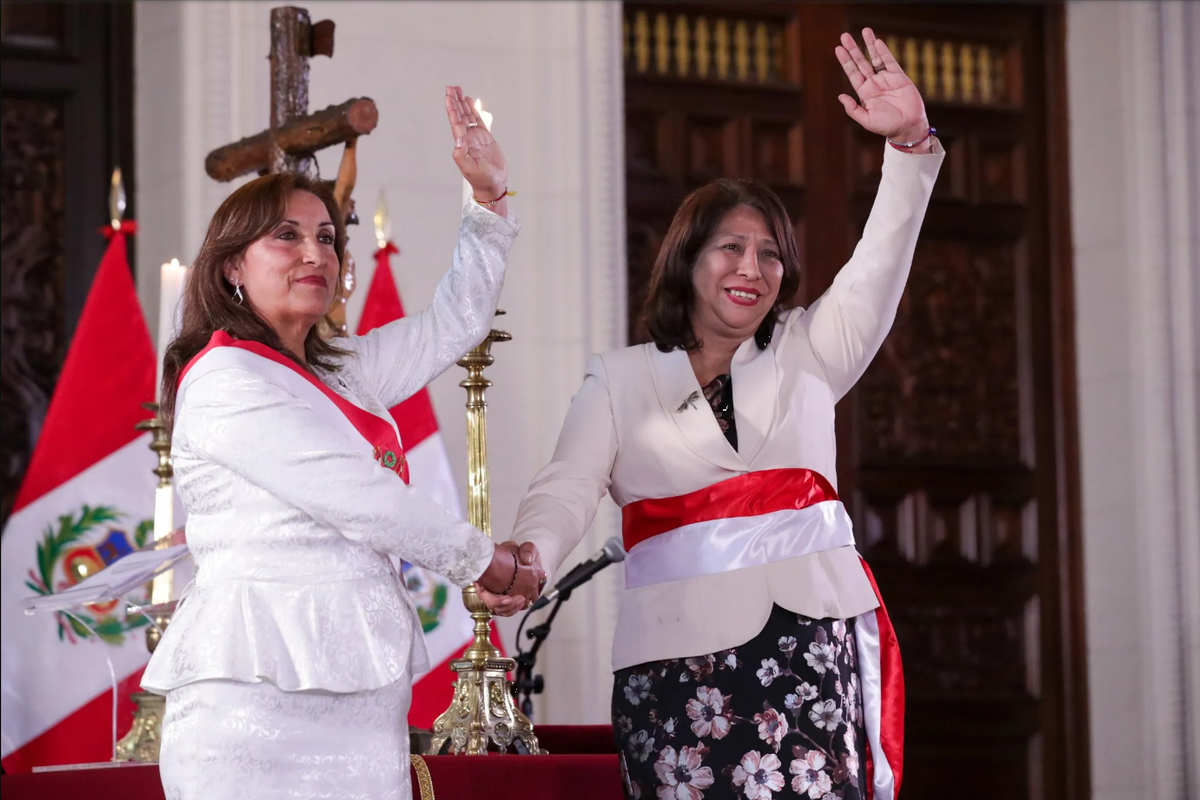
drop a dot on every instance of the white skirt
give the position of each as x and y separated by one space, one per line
223 740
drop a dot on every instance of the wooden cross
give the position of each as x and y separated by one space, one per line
295 135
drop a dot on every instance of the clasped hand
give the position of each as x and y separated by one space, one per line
506 591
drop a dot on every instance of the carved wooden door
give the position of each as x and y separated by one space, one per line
957 453
66 101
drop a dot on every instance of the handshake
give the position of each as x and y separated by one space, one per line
513 580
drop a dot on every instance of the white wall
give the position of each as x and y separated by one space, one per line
551 74
1135 172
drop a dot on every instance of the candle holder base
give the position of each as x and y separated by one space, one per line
144 739
483 712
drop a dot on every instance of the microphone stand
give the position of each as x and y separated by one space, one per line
526 682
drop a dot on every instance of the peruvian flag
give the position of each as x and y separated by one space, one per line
445 620
87 499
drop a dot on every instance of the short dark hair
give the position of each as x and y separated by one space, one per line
248 214
672 294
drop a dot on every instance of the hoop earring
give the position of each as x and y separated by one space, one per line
237 293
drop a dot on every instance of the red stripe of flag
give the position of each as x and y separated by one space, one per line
414 417
90 374
85 735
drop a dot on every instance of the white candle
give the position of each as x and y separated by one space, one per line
163 586
171 279
487 123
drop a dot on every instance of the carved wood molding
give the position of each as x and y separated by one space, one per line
31 278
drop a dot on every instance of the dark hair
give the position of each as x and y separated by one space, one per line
247 215
672 294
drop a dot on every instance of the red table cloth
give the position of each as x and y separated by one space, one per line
584 767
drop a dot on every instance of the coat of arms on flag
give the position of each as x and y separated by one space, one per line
87 499
80 544
429 593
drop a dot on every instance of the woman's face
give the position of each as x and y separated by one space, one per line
289 275
736 277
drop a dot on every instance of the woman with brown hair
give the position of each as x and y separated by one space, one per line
752 656
288 666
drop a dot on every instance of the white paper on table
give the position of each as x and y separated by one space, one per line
111 583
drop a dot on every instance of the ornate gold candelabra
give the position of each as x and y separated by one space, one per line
483 712
145 736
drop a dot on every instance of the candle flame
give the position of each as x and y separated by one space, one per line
116 199
383 225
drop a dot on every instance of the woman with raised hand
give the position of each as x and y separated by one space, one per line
753 656
288 666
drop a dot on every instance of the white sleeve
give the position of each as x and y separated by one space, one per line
848 323
277 441
398 359
563 497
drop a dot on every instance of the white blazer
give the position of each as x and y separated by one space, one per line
624 434
290 516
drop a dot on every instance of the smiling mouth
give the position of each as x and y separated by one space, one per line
742 297
314 280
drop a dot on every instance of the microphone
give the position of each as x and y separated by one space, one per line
611 553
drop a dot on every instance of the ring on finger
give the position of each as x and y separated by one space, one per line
472 124
878 65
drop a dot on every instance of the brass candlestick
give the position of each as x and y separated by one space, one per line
145 736
483 712
144 739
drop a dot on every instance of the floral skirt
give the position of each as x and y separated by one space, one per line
780 716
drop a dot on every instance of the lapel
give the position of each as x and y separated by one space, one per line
755 397
675 382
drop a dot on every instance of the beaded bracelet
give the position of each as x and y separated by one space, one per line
903 145
513 582
491 203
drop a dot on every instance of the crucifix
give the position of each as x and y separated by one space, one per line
295 135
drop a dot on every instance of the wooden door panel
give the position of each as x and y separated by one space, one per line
66 101
712 91
947 383
965 547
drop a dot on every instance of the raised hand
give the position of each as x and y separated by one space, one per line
888 101
527 587
476 152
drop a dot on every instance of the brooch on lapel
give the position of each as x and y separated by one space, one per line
686 404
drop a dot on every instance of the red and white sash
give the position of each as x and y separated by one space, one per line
760 518
378 432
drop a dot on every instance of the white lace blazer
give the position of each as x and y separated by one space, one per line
626 434
290 517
